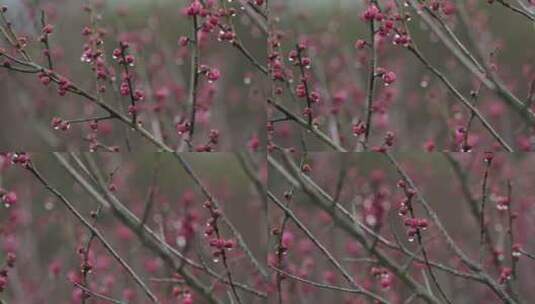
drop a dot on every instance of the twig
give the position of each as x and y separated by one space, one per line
148 237
194 78
304 81
415 51
189 170
314 130
46 42
150 195
86 267
472 202
517 10
322 248
123 46
482 224
94 231
319 285
97 295
345 222
423 249
371 81
481 71
485 277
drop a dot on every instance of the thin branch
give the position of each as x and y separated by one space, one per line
148 237
423 249
149 202
151 239
529 255
82 120
481 71
371 81
304 81
194 78
94 231
472 202
204 190
319 285
489 281
314 130
517 10
461 98
45 41
97 295
482 224
346 223
323 249
416 52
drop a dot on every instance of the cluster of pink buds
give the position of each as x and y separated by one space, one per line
101 69
360 44
194 9
296 58
222 244
44 78
139 95
402 39
358 128
183 41
182 127
213 75
371 13
120 55
227 35
60 124
315 96
502 203
387 143
204 148
388 77
488 157
505 274
414 225
384 276
210 23
448 8
516 251
21 158
9 198
277 69
409 194
10 263
183 293
300 91
46 30
64 85
219 244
